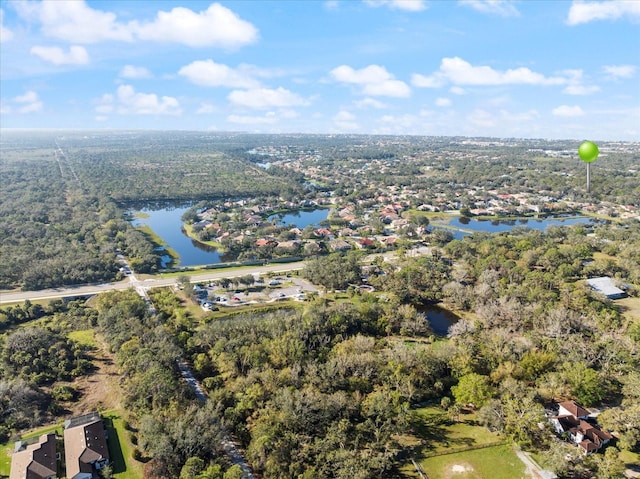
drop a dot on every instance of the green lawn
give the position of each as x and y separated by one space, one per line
433 433
440 434
498 462
85 337
629 458
124 465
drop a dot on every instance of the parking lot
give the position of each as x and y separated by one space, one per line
268 290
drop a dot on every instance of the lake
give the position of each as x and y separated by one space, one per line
461 226
302 218
167 224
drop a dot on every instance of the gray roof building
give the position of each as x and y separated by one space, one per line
604 285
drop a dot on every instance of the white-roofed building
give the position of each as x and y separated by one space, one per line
604 285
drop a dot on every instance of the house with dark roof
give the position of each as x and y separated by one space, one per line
85 444
37 460
572 420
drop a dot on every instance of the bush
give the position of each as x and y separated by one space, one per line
64 393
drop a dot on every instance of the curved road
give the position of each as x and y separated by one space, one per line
90 289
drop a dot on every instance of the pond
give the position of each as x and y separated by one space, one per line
166 223
303 218
462 226
438 318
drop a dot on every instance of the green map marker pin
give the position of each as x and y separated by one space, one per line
588 152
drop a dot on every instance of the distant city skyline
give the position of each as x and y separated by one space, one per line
526 69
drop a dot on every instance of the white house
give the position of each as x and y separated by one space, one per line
572 421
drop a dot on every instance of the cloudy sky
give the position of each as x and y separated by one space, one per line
532 69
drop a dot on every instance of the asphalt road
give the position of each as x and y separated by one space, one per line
85 290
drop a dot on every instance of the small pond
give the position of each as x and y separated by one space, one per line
303 218
438 318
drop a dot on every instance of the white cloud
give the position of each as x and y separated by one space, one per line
568 111
526 116
575 84
105 104
131 71
374 80
456 90
268 119
369 103
29 97
619 71
76 55
481 118
581 89
407 5
460 72
585 12
443 102
129 102
503 8
345 121
216 26
75 21
5 33
210 73
423 81
27 103
266 98
206 108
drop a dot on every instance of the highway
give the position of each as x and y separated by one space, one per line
132 282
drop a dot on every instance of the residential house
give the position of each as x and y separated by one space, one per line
339 245
311 248
323 232
364 243
85 444
36 460
260 242
573 420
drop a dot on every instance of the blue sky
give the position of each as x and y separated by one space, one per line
529 69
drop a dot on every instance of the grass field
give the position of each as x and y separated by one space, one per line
630 307
630 458
85 337
498 462
433 433
124 465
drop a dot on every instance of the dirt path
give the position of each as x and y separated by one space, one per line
99 390
533 469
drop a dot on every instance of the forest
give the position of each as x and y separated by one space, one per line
326 390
